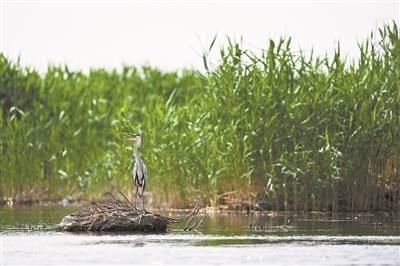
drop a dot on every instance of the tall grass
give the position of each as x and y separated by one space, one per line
282 129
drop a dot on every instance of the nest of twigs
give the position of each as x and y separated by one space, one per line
117 215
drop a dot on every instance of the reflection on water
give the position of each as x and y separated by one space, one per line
225 238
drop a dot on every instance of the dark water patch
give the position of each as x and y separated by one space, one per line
33 215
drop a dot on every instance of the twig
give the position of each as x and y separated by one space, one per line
201 221
191 227
112 196
90 227
195 225
126 198
195 209
187 227
191 219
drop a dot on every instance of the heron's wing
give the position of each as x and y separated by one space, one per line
145 174
143 179
139 172
134 171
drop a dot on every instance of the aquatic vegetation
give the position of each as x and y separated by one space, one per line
282 129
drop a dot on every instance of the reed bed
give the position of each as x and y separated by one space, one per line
279 130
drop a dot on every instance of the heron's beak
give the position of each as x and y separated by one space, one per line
131 138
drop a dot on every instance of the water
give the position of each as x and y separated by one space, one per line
225 238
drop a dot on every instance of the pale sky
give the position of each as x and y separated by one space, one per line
171 34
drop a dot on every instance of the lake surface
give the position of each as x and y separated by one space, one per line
225 238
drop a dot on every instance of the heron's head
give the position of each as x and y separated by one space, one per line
135 137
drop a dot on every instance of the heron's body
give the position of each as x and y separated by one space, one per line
139 173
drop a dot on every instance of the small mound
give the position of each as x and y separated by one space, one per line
113 216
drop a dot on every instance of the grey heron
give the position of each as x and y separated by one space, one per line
139 173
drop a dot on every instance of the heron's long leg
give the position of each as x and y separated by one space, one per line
136 194
143 209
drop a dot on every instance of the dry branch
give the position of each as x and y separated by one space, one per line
117 215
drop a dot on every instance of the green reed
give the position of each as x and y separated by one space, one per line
283 130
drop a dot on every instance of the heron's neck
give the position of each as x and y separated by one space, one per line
136 151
